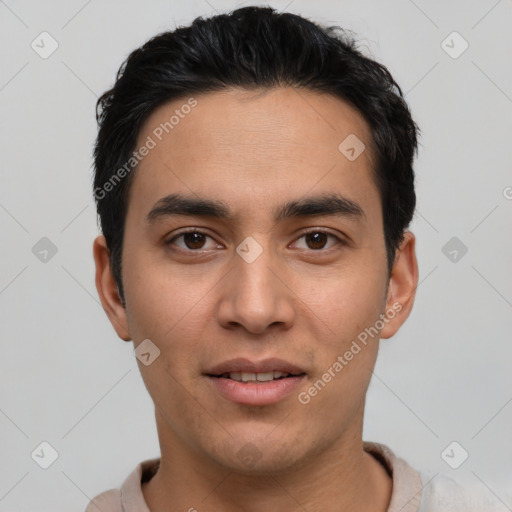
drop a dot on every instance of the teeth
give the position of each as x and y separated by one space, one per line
265 376
253 377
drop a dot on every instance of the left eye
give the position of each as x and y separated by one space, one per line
318 239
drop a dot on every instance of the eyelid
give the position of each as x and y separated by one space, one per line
190 230
340 240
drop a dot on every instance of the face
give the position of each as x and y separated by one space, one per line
270 265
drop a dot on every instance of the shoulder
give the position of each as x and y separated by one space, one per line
444 494
108 501
130 491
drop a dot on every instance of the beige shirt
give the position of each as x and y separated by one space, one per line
412 491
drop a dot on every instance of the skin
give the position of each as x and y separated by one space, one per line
299 300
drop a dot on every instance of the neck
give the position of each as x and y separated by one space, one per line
344 477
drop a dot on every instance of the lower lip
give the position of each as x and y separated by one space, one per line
256 393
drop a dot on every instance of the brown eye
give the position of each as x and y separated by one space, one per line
190 241
194 240
316 239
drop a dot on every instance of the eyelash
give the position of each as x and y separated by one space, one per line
193 230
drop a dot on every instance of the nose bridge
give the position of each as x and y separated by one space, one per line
255 286
255 279
255 297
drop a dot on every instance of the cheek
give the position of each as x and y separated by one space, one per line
345 306
335 397
176 327
164 301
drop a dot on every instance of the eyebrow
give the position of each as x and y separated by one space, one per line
319 205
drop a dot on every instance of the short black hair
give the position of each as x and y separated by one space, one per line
254 48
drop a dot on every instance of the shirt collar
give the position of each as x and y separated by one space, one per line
405 496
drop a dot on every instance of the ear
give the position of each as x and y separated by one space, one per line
108 291
402 286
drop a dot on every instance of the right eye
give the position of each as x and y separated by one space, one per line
193 240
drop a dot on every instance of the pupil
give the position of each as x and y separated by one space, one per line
191 239
317 238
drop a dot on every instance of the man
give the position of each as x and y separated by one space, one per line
254 182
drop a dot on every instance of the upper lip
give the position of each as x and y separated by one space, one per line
241 364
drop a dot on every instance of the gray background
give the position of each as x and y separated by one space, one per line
68 380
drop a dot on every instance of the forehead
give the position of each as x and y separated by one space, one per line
247 147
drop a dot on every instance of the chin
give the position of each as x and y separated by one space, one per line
261 456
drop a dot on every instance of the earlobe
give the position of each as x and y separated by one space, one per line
107 289
402 286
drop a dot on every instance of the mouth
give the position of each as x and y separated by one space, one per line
256 377
255 383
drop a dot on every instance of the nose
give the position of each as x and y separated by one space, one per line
256 296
